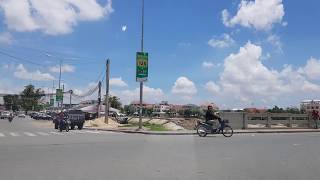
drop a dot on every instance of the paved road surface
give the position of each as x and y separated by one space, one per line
33 153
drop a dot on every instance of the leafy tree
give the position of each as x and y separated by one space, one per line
187 112
30 98
115 102
11 102
129 109
276 109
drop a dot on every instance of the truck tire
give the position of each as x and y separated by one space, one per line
80 126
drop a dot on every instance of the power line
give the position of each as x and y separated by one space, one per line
19 58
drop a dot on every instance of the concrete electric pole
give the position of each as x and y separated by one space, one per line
106 110
141 83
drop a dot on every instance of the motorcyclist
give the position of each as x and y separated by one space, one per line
211 116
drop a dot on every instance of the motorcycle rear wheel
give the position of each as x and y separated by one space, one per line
227 131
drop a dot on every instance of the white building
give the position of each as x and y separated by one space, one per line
310 105
161 108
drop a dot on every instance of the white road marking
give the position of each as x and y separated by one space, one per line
29 134
2 135
56 133
43 133
93 132
79 132
14 134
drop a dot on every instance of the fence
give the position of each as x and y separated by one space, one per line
241 120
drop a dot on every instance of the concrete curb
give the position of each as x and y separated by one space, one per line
194 132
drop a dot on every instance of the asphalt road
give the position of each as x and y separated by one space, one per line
28 152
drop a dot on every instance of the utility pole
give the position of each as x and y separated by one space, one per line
60 103
141 83
99 99
62 96
106 110
71 92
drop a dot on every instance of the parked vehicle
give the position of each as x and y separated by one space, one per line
121 118
204 128
21 115
6 114
40 116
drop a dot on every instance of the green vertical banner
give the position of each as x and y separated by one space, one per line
59 95
142 67
51 102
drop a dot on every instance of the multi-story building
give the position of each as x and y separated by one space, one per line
309 105
161 108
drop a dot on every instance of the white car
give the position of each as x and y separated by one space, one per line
5 114
22 116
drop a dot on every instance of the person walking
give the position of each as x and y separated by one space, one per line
315 117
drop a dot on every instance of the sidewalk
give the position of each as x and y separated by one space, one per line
193 132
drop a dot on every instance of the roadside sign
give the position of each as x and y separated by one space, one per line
59 95
51 102
142 67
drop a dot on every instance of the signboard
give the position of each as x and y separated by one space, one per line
59 95
51 102
142 67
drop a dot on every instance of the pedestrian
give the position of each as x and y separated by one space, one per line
315 117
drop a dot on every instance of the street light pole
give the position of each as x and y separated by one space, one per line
141 83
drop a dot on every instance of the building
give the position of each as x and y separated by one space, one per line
255 110
204 106
309 105
161 108
136 105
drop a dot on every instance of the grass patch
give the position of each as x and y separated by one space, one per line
154 127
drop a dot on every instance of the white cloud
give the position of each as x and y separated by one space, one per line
118 82
245 80
184 87
312 69
208 64
224 41
258 14
51 17
275 41
22 73
212 87
6 38
64 68
150 95
124 28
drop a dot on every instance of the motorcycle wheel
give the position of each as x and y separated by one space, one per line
202 131
227 131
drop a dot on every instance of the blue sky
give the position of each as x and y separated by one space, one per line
265 52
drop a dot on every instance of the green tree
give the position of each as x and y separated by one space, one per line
276 109
115 102
30 97
11 102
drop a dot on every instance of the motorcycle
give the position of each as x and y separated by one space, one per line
10 119
204 128
64 125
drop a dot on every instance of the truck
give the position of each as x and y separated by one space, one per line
76 118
